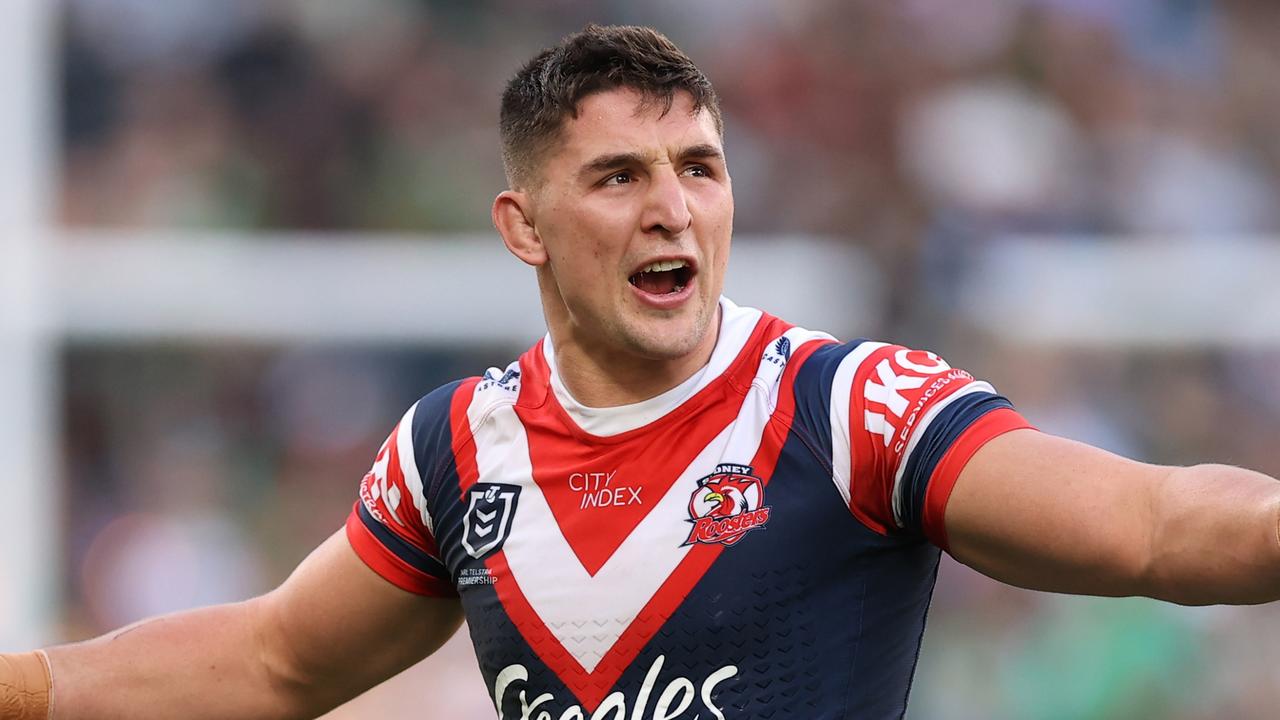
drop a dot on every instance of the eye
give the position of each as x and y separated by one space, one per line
619 178
698 171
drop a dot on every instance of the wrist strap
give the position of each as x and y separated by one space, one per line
26 686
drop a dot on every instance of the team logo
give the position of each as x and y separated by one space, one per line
488 520
726 506
508 380
783 347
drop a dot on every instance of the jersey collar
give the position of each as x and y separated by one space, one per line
736 326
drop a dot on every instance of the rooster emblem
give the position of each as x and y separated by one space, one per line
727 505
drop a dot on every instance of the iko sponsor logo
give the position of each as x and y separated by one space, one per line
893 382
671 703
926 397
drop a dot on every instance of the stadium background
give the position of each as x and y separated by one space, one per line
240 237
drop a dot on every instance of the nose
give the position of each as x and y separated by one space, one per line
666 208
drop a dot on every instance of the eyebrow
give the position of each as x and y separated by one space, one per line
601 163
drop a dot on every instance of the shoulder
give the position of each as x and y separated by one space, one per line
872 367
819 365
442 420
771 341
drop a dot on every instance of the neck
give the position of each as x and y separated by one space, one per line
599 376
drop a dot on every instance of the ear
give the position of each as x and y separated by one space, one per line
511 216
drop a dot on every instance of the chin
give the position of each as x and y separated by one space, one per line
663 348
669 339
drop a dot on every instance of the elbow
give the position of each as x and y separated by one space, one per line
1214 539
1159 562
1152 556
281 671
1159 577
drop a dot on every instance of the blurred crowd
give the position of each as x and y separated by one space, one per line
917 130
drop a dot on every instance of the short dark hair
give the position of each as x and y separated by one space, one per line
600 57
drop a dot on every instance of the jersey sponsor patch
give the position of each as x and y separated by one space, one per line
488 520
893 385
726 506
652 702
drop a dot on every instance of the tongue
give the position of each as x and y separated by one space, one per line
656 283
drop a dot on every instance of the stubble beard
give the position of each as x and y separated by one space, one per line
642 339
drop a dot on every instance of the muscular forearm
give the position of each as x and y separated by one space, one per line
1216 537
333 630
208 663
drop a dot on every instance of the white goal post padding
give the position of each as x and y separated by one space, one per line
28 472
1128 292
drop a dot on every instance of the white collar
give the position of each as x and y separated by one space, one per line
736 326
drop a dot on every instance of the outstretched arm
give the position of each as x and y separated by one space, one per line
1046 513
331 631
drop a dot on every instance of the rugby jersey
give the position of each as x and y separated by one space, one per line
761 541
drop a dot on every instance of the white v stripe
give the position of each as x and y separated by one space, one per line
587 614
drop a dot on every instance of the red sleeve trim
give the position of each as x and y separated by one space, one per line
991 425
391 568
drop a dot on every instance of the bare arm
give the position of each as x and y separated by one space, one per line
1046 513
333 630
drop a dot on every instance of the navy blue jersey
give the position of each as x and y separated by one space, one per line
759 542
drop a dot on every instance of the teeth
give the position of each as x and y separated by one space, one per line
664 265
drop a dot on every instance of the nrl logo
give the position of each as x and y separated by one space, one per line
488 520
726 506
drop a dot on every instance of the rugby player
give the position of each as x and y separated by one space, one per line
671 506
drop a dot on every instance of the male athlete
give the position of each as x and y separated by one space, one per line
671 507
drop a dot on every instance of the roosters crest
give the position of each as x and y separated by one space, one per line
726 506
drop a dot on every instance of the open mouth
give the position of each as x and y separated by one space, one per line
664 277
